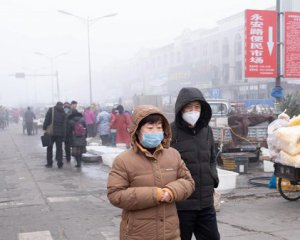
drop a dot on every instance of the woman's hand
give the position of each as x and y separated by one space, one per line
165 197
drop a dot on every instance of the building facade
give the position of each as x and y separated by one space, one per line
210 59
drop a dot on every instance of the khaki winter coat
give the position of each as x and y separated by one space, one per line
135 178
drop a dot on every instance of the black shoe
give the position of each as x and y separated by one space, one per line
59 166
68 160
48 166
78 166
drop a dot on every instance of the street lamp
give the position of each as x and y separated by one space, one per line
51 58
88 21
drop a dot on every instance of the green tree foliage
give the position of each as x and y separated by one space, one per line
292 104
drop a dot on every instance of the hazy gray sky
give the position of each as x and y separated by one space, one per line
36 26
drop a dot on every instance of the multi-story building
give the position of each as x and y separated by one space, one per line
210 59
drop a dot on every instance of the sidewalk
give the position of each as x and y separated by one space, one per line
51 203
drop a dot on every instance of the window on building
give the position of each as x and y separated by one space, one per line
158 61
178 57
215 74
237 45
225 75
194 52
154 63
215 47
205 50
171 58
165 59
225 48
238 70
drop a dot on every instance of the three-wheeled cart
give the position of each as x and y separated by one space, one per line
288 181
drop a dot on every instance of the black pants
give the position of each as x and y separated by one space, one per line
105 140
203 223
90 130
58 140
68 150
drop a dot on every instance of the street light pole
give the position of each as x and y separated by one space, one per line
57 85
51 73
89 59
87 21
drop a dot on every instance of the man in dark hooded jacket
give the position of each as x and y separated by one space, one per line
58 133
193 138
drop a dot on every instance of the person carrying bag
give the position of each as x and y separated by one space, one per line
55 127
46 138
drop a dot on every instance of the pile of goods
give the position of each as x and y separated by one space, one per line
284 140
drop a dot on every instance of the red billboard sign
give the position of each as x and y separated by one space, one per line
292 45
260 44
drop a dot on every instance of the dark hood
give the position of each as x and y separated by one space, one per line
59 108
187 95
75 114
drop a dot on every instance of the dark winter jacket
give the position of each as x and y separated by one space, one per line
196 146
76 141
68 112
59 126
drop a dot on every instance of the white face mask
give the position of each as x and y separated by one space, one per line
191 117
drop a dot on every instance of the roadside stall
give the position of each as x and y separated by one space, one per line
284 145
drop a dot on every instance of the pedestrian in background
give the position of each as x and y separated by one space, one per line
193 138
90 121
113 130
122 124
57 134
70 109
103 121
67 147
73 106
78 133
146 180
28 120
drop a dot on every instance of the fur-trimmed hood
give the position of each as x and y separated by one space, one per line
139 114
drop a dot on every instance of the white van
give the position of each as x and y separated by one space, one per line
220 111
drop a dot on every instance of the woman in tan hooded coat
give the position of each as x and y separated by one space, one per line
146 180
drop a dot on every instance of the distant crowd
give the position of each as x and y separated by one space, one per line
65 124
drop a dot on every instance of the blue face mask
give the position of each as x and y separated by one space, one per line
152 140
67 110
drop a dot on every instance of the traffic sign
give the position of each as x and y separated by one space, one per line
216 93
260 43
20 75
292 45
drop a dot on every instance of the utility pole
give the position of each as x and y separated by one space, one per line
57 85
277 91
279 44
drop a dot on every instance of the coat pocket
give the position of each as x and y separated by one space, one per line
127 224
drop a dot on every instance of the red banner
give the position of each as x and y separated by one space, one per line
260 44
292 45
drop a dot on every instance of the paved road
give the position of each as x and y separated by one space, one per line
69 204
